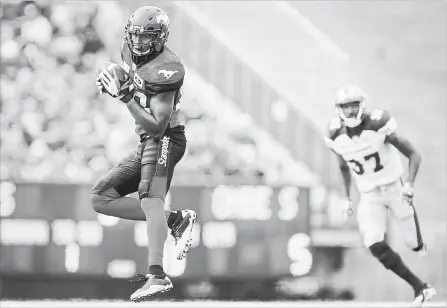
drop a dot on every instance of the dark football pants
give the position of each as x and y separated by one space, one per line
153 161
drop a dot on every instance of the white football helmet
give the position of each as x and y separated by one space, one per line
350 94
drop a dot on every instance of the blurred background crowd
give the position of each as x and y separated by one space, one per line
255 111
55 125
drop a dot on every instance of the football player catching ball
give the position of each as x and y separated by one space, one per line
149 83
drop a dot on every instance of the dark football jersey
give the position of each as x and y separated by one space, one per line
159 73
374 121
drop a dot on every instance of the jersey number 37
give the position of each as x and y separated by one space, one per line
359 167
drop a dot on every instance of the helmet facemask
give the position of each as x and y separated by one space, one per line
143 42
351 112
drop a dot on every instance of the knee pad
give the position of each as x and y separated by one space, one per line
383 252
143 189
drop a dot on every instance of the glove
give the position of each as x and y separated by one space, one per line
108 83
116 82
408 193
100 86
347 210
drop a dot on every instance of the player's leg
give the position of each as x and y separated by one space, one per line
183 221
107 196
372 217
153 208
405 215
159 159
108 193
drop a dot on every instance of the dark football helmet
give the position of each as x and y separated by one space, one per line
147 30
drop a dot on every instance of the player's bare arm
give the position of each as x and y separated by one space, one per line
332 133
346 174
156 121
408 150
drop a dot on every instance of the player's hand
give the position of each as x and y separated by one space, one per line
100 86
115 81
408 193
348 211
108 83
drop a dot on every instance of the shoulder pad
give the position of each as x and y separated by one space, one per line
164 73
381 121
335 129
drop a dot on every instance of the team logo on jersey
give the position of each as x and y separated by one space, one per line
162 160
138 80
167 74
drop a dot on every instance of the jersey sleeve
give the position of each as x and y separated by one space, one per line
383 122
165 77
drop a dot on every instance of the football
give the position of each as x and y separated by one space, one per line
119 77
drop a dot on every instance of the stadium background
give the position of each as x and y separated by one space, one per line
260 82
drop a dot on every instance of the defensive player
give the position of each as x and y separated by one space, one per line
366 144
149 84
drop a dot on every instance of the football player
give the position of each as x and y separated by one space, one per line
149 83
368 146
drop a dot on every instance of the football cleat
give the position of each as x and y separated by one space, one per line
152 285
424 295
181 230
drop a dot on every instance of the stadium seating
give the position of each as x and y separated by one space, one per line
55 127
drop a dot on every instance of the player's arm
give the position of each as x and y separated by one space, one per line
334 126
161 106
408 150
346 174
387 125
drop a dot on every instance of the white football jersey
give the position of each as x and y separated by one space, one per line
372 161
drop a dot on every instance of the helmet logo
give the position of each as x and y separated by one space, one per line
163 19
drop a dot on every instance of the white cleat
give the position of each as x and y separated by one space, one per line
424 295
182 233
153 285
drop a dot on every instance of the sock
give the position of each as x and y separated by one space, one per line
157 228
392 261
157 270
